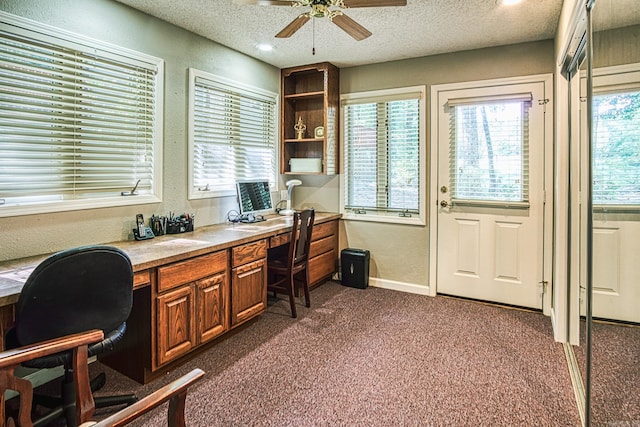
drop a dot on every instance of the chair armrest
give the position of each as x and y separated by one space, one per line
77 344
16 356
175 392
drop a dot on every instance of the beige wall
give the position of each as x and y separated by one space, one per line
616 47
115 23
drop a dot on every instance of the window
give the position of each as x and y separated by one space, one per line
489 150
232 135
79 121
616 148
383 162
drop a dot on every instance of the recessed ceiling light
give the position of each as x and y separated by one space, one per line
264 47
508 2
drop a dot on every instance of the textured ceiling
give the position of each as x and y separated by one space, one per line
423 27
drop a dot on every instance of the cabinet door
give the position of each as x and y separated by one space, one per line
211 299
175 333
248 291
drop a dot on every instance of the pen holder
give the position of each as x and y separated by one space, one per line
179 225
158 225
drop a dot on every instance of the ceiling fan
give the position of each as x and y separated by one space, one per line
323 8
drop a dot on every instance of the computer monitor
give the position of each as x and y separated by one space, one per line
254 198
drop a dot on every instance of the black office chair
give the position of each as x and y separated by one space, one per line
73 291
284 270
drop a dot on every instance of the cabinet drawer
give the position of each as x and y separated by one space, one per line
323 245
250 252
322 267
325 229
141 278
320 231
190 270
279 240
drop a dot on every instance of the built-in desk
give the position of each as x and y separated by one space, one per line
190 289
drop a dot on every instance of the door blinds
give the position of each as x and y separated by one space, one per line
489 150
616 149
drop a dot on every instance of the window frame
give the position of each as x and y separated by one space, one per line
53 35
387 95
193 193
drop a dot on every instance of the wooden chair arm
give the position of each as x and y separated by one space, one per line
11 359
174 392
17 356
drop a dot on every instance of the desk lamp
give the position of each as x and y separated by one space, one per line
290 184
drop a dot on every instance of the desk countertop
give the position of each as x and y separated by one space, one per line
160 250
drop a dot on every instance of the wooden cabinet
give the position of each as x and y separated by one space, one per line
175 332
185 304
191 304
248 281
310 94
211 296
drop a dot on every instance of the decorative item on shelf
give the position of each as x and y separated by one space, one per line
319 132
305 165
300 128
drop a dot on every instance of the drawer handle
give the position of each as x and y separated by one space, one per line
249 273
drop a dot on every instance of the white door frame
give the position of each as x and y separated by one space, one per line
547 80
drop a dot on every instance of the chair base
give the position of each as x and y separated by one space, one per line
63 407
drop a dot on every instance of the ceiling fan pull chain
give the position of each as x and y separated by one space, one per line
313 37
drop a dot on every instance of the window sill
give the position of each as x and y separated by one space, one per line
389 219
77 205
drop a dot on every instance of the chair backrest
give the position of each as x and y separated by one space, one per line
301 235
89 287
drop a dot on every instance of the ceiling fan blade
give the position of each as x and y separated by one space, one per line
351 27
265 2
374 3
294 26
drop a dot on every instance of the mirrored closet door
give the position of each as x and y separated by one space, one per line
606 165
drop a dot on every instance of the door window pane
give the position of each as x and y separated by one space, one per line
489 152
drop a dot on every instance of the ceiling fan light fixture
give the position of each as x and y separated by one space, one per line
264 47
331 9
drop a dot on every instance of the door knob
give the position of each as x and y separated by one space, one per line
444 189
444 203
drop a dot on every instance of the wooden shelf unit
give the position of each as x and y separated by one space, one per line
311 93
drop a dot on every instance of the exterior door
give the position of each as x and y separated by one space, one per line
615 194
490 194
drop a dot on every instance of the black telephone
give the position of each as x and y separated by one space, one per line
142 232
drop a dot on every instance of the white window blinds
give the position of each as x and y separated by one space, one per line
232 135
616 148
489 150
76 122
382 153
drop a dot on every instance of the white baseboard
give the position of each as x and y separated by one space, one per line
399 286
